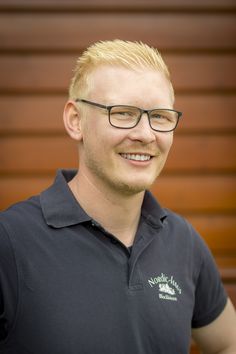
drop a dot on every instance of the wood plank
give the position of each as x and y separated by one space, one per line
57 5
43 113
198 153
227 266
228 273
197 194
219 231
46 73
16 188
202 72
231 290
208 113
194 349
32 114
183 194
37 154
202 153
51 73
168 31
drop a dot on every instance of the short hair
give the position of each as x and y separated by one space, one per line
132 55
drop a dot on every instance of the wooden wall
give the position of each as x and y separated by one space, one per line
39 42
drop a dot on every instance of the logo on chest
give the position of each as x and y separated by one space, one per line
167 287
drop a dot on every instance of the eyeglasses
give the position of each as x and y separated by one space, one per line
126 117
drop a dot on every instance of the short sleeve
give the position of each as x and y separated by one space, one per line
8 284
210 295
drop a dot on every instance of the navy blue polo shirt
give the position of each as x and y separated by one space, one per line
67 286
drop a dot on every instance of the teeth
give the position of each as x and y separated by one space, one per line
136 157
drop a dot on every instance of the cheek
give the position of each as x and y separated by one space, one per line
165 142
94 144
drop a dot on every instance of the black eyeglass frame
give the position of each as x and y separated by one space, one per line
147 111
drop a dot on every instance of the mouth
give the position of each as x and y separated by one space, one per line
136 157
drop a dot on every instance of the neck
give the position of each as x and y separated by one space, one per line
119 214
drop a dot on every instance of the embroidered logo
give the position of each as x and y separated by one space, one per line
168 288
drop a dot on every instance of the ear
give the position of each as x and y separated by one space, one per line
72 120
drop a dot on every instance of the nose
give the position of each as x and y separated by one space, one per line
142 131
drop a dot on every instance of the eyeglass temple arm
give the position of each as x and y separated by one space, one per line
91 103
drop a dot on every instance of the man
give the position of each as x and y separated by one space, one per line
94 264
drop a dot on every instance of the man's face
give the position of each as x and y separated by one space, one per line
110 157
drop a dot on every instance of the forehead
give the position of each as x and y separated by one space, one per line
120 85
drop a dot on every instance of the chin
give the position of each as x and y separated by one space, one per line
131 188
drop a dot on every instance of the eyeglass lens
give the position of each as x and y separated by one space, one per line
127 117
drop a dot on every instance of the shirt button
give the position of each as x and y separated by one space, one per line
94 223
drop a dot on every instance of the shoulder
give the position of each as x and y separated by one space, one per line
179 227
20 220
187 240
21 213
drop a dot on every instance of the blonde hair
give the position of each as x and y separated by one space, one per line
132 55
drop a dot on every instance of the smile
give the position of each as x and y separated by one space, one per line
136 157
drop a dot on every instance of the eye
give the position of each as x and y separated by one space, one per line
159 117
156 116
163 116
123 112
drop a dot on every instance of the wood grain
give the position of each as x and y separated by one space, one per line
40 41
45 153
51 73
37 114
207 194
166 31
143 5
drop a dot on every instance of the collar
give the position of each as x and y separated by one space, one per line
61 209
153 213
59 206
